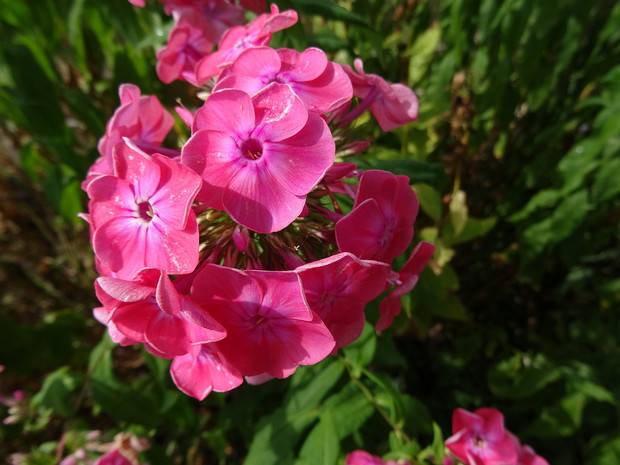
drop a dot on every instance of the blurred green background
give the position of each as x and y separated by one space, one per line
516 163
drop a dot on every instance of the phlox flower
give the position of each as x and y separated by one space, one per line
380 225
405 281
202 370
337 288
393 105
236 39
187 44
141 118
113 457
321 84
149 309
270 329
258 157
527 456
257 6
479 438
361 457
124 451
170 6
141 215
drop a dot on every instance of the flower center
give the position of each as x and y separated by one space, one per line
251 149
145 211
257 320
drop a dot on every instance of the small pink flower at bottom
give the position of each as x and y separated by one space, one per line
124 451
114 457
360 457
479 438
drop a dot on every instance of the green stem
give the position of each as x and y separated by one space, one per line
373 400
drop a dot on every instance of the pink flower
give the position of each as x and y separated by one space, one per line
380 226
338 288
257 6
259 157
393 105
203 370
140 118
187 44
321 84
148 309
360 457
141 215
527 456
406 279
124 451
170 6
479 438
236 39
270 328
113 457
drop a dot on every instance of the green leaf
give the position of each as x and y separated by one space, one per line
276 436
417 171
100 359
309 385
421 53
458 212
321 445
362 350
560 419
560 224
329 10
416 415
349 410
521 376
474 227
35 95
430 201
545 198
606 185
33 163
132 404
595 391
607 453
326 40
55 394
438 446
71 201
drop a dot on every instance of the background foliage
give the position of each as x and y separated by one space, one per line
516 162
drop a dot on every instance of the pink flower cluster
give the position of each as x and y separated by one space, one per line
360 457
124 450
480 438
235 256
